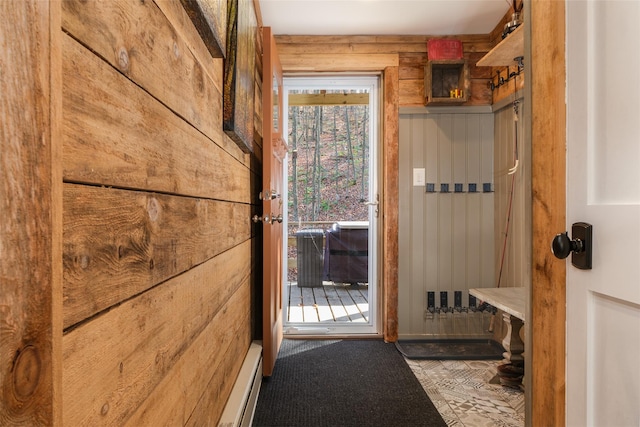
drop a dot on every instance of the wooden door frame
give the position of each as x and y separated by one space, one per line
31 271
388 66
545 98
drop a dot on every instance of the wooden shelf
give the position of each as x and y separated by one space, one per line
503 53
442 76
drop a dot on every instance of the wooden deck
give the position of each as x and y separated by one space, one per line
333 302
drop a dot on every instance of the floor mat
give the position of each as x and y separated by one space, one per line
450 349
345 383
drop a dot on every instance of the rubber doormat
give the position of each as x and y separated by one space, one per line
449 349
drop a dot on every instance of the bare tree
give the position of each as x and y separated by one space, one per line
294 161
363 186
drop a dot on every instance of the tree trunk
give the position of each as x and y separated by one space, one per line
294 163
352 168
364 179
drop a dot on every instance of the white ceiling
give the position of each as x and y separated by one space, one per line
382 17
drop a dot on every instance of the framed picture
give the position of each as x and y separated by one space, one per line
239 69
210 19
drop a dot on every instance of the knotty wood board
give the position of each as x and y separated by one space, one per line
115 362
372 44
508 89
548 144
212 403
119 243
389 211
504 53
117 134
334 62
319 53
219 352
137 39
214 67
181 22
328 99
29 206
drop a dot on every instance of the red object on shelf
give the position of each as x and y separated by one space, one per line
444 49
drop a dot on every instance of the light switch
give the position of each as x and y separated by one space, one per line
418 177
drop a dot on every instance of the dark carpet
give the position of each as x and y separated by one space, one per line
343 383
451 349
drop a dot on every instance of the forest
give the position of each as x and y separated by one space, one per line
328 174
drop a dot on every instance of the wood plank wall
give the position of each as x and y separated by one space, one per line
127 282
412 54
159 252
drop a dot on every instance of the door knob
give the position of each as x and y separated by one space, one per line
562 245
275 218
580 247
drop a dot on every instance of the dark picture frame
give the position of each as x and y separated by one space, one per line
239 69
210 19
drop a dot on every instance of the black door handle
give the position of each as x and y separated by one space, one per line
580 247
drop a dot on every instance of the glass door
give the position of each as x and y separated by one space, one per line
332 205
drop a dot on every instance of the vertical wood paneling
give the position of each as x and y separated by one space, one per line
416 304
515 266
460 231
429 267
474 205
488 210
405 197
448 237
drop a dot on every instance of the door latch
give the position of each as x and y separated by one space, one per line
580 246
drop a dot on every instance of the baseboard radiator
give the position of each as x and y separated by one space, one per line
242 402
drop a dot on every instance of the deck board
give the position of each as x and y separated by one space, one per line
330 303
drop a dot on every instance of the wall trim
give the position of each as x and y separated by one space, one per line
471 109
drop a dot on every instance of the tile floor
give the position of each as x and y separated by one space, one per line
461 392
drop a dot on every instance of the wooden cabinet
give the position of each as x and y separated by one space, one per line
442 77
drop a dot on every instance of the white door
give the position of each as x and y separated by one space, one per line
603 189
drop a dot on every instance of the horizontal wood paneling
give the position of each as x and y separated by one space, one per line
355 53
138 40
163 339
159 252
377 44
117 134
323 62
119 243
